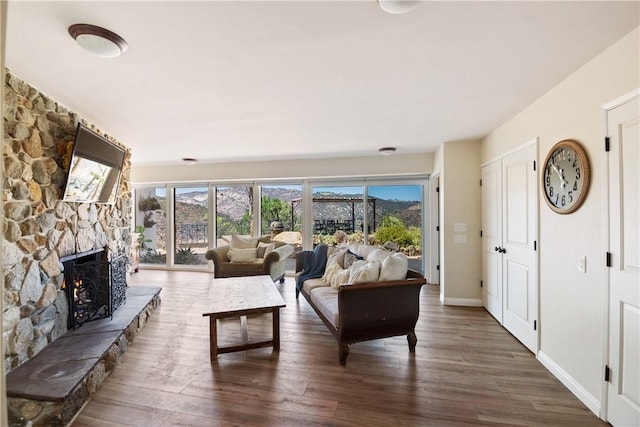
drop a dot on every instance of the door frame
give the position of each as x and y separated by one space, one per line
433 235
606 239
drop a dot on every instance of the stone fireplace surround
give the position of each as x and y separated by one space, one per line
39 228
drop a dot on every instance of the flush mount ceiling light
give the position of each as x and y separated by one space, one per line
397 7
385 151
189 160
97 40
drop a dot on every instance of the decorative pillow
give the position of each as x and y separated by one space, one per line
340 278
241 242
364 271
330 270
265 248
394 267
243 255
350 258
336 255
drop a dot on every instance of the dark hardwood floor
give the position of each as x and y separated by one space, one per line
467 371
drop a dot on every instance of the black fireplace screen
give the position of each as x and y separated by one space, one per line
95 287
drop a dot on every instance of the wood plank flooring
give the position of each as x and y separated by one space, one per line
467 371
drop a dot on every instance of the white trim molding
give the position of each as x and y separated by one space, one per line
580 392
463 302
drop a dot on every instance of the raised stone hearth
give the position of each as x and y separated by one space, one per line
50 388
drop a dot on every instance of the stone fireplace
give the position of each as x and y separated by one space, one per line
94 284
40 230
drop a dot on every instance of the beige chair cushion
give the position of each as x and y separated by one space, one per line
243 255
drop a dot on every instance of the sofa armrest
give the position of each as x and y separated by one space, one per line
276 255
378 309
218 255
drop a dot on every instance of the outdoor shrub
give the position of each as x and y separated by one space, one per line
187 256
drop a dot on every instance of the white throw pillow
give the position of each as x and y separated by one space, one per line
243 255
364 271
394 267
242 242
336 254
340 278
330 270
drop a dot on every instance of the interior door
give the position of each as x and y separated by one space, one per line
491 194
623 397
519 261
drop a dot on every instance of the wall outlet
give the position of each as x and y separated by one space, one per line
582 264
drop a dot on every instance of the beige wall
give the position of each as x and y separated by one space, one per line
460 261
572 304
396 165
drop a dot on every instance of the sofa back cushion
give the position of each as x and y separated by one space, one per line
394 267
243 242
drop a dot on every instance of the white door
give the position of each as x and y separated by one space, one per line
519 260
623 401
491 193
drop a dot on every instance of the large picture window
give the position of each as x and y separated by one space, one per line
385 213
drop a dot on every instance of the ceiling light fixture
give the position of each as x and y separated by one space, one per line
97 40
386 151
189 160
397 7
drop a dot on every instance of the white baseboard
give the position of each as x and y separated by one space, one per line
466 302
581 393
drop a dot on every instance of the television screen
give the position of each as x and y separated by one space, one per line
95 167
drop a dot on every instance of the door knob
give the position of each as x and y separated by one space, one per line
503 251
497 249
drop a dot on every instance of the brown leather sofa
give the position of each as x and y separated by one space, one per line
366 311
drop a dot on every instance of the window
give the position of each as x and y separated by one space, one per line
191 225
338 214
397 217
150 229
234 212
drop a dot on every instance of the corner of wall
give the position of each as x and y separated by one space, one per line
460 222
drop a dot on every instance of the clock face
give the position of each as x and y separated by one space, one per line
566 177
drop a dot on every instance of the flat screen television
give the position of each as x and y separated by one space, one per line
94 170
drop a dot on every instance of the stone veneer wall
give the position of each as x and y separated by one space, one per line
39 227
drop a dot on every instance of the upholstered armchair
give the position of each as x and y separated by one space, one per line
250 256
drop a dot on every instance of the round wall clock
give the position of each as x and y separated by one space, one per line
566 176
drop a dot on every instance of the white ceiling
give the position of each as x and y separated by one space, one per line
232 81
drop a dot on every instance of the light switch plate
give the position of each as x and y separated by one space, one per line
582 264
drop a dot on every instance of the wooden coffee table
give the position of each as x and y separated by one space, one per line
241 297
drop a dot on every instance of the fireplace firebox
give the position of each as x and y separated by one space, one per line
94 284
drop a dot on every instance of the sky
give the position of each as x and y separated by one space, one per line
386 192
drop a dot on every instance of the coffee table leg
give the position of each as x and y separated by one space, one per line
276 329
213 338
